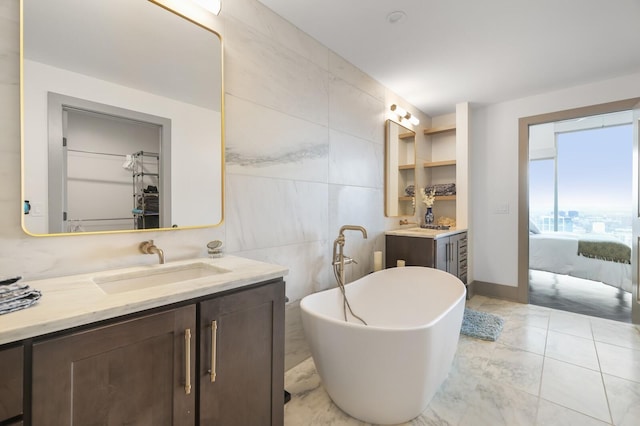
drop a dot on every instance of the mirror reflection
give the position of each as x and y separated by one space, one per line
122 118
400 170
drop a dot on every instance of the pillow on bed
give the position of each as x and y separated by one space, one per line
533 228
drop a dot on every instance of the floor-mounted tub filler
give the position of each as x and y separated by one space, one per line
388 371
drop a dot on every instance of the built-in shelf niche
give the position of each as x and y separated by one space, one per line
441 169
444 158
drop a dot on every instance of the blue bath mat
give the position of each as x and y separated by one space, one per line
482 325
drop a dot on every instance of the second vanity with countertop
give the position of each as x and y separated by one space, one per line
434 248
194 342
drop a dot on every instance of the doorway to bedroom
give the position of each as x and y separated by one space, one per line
580 214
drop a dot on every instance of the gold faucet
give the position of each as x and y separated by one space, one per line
147 247
406 222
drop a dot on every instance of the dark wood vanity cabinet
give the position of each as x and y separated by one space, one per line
147 370
451 255
445 253
242 358
130 372
11 390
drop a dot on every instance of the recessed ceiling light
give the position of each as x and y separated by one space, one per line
396 16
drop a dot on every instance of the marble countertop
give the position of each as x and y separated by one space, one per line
77 300
425 233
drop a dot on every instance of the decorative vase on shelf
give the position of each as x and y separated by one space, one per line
428 216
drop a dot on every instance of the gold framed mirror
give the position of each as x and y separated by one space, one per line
122 118
399 170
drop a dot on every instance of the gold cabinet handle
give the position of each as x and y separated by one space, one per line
187 363
214 344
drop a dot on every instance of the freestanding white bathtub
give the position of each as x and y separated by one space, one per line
388 371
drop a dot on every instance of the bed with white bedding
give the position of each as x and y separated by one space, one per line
558 252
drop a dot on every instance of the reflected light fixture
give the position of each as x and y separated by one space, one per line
403 113
212 6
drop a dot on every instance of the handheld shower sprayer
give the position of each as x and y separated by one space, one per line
339 260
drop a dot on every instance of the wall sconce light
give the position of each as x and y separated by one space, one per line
212 6
402 113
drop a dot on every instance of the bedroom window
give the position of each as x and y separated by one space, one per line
580 176
542 193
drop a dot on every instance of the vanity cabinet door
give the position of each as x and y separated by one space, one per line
242 358
130 372
414 251
442 254
11 369
451 255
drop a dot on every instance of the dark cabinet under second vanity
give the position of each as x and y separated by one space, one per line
444 250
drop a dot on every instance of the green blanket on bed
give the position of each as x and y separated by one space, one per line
605 250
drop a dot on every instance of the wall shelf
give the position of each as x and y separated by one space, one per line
429 164
405 198
406 167
445 197
442 129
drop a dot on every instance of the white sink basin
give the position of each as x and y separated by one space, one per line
156 276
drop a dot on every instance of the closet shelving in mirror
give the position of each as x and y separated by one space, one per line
146 194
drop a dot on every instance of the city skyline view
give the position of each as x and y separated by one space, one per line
594 173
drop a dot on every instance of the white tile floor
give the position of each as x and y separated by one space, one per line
547 368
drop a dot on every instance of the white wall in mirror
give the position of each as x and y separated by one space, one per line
179 79
192 153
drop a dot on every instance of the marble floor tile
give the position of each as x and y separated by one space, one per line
616 333
516 368
450 403
624 400
494 404
473 355
310 404
533 317
550 414
619 361
574 387
296 348
572 349
577 325
476 301
531 339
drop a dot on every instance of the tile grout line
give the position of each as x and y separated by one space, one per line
544 360
604 387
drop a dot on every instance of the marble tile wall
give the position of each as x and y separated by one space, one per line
304 147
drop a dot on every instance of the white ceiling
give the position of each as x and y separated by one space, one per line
481 51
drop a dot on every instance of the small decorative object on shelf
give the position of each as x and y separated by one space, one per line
428 198
428 216
442 189
446 221
410 190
